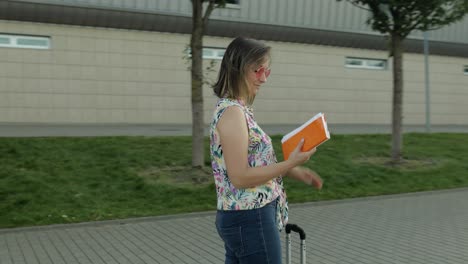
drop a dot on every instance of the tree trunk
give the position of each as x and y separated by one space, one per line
196 45
397 50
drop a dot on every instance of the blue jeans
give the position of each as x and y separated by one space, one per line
250 236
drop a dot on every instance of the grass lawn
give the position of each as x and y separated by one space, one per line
63 180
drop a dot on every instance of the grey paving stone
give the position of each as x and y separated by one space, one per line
421 228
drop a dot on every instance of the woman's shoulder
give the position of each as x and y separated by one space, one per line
231 108
230 101
224 103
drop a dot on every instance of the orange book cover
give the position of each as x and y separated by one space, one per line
314 132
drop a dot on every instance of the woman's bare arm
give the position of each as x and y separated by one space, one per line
234 137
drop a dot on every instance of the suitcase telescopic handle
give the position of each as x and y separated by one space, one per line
297 229
302 235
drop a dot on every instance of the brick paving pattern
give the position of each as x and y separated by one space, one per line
421 228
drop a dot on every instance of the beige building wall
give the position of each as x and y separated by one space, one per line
97 75
307 79
448 86
94 75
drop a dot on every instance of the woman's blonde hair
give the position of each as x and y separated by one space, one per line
241 56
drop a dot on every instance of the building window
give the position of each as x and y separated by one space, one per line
363 63
213 53
465 70
21 41
210 53
4 40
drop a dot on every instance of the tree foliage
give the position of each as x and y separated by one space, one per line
404 16
397 19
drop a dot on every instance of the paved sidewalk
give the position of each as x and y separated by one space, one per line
420 228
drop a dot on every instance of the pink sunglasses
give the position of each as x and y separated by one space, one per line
259 72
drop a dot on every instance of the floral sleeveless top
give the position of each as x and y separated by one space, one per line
260 153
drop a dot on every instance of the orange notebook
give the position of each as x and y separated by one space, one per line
314 132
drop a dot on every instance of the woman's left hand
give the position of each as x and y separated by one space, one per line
307 176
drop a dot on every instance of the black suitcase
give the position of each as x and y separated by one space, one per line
302 235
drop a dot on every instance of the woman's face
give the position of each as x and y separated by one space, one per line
257 76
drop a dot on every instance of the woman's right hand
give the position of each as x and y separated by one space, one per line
298 157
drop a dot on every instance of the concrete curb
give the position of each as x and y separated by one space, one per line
212 213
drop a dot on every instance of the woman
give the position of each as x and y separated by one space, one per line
252 206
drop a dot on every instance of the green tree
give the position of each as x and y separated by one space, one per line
397 19
200 16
